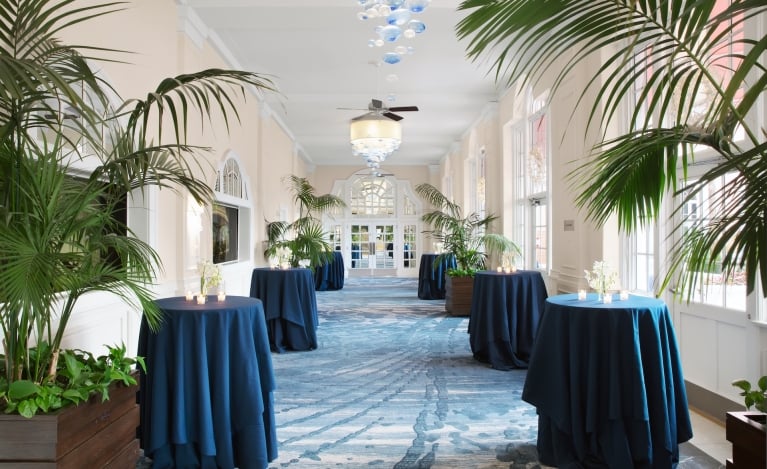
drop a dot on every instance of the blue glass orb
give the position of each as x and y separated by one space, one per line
416 25
394 4
392 58
417 6
399 17
390 33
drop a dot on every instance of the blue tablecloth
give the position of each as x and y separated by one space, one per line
290 304
607 382
431 277
330 276
206 398
505 312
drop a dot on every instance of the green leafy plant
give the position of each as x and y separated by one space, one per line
703 82
80 375
464 237
303 238
753 397
61 237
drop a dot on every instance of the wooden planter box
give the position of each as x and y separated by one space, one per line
746 432
93 434
458 291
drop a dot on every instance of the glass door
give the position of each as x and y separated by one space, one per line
372 246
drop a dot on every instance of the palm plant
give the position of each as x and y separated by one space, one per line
703 79
464 237
60 237
305 238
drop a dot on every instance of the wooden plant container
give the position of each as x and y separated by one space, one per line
93 434
458 291
746 432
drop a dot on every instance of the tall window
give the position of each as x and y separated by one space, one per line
231 214
530 153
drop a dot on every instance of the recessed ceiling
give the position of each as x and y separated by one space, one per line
317 53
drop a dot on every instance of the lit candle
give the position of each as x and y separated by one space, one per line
200 299
608 298
221 296
507 270
513 268
581 294
189 295
624 295
499 269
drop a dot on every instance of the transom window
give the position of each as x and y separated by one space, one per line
372 196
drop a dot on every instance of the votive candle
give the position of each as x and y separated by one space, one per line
608 298
189 295
221 296
581 294
499 269
624 295
200 299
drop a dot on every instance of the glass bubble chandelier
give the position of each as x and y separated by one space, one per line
398 22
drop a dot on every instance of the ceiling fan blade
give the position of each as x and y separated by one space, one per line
403 108
393 116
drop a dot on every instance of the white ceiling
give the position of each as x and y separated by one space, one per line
317 53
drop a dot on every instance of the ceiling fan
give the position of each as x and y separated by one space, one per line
376 106
372 172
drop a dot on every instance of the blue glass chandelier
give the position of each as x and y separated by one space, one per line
398 22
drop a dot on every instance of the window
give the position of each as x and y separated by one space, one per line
530 155
372 196
714 288
231 214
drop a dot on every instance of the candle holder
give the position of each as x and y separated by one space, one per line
581 294
608 298
499 269
201 299
221 296
624 295
189 295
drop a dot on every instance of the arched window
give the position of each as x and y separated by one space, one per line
372 196
231 215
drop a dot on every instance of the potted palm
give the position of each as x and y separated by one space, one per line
303 239
679 51
64 233
465 238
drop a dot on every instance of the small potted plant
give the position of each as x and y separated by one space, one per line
465 237
746 430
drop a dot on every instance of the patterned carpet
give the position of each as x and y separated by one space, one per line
394 385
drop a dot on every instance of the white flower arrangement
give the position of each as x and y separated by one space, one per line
602 278
210 276
284 255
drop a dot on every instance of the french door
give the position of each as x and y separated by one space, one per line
372 246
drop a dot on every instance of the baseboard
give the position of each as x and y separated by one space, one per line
710 404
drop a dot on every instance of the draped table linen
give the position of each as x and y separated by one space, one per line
330 276
431 276
505 311
290 306
607 383
206 398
